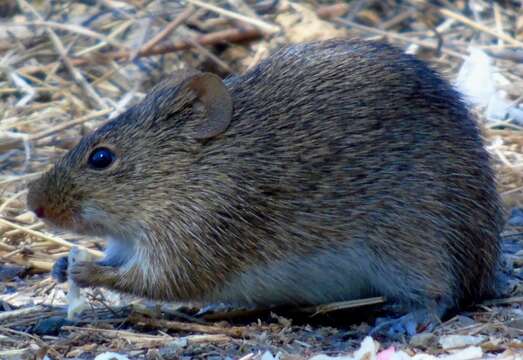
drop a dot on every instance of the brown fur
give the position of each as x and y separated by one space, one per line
348 169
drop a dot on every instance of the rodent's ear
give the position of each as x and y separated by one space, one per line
217 101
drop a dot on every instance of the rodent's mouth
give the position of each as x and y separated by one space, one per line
65 220
72 220
76 224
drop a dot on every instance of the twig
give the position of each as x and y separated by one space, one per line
218 37
355 8
231 315
249 356
241 6
262 25
50 238
11 199
398 19
35 226
16 314
71 28
150 340
400 37
55 129
210 56
515 55
6 247
36 266
77 76
499 22
180 19
38 341
510 300
20 177
341 305
480 27
331 11
117 31
234 331
16 142
512 191
25 353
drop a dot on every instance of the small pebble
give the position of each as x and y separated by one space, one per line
111 356
173 348
460 341
423 340
386 354
516 217
50 326
470 353
268 356
464 321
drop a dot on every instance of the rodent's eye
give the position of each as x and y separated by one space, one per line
101 158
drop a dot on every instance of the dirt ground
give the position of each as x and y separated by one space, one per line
67 67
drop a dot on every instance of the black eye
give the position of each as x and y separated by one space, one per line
101 158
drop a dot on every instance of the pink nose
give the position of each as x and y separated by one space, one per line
40 212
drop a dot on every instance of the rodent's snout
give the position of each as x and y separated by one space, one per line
40 199
49 200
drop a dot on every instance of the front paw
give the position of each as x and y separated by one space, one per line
86 274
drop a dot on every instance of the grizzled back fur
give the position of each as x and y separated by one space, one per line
348 168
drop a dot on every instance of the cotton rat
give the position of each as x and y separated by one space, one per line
331 171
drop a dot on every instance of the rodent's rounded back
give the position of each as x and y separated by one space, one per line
339 157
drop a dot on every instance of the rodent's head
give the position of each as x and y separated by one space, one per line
113 180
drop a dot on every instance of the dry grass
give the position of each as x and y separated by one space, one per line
66 67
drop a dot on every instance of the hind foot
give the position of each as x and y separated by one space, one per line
409 324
